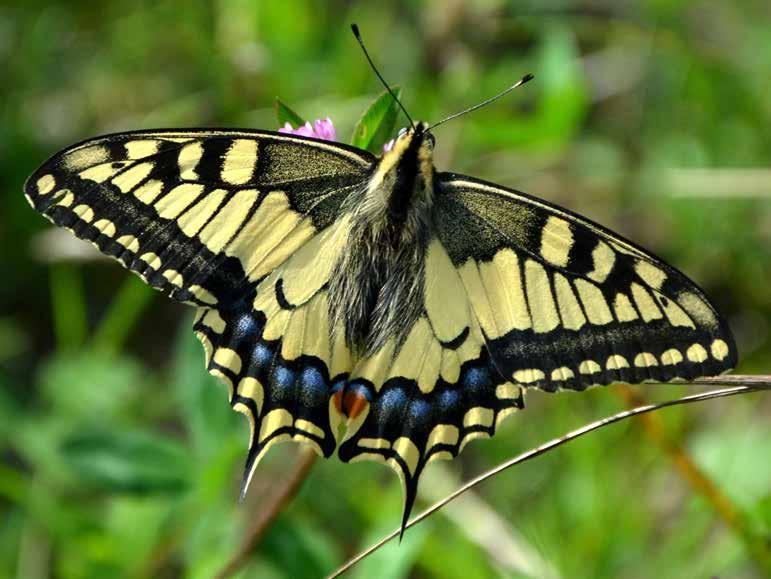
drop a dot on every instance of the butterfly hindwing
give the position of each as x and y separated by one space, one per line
564 303
433 393
279 364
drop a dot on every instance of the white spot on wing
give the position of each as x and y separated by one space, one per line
650 274
589 367
539 296
46 184
671 357
141 148
84 212
528 376
604 258
189 157
645 360
696 353
719 349
616 362
129 179
556 241
562 374
228 358
240 160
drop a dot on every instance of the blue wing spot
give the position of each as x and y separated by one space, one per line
361 389
313 387
476 378
247 326
284 381
391 406
418 415
337 385
448 400
262 355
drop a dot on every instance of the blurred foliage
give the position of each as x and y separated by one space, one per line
120 456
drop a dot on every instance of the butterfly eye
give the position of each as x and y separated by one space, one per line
431 140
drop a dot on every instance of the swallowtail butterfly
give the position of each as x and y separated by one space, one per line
374 305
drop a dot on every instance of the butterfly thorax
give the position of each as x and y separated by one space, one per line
377 284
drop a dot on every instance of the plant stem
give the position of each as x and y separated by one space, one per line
121 316
740 384
69 307
274 507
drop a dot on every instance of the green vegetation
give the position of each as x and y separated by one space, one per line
119 454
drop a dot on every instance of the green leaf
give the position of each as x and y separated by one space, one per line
298 548
201 400
284 114
376 125
127 461
88 384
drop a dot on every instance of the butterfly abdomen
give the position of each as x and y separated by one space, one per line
377 285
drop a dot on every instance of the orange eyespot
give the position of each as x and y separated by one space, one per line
351 404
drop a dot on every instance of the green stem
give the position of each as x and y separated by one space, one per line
68 306
121 316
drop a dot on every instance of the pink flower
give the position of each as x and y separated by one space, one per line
325 129
321 129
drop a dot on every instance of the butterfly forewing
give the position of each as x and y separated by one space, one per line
245 226
564 303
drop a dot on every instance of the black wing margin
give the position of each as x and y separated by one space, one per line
565 303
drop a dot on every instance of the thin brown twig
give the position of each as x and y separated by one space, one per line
275 505
740 384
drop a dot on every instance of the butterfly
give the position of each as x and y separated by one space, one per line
372 304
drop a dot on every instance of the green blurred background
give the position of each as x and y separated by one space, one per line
120 456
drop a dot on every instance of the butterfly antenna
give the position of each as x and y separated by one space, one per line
520 82
355 30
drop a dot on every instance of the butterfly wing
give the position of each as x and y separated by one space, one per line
432 394
198 214
517 294
231 222
565 303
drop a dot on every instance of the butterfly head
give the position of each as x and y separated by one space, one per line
412 151
417 137
403 179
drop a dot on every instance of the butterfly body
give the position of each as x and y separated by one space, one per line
374 305
377 285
